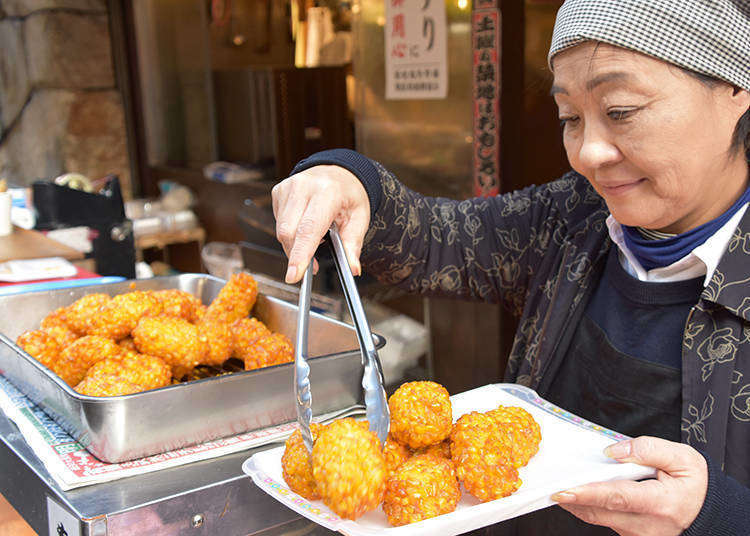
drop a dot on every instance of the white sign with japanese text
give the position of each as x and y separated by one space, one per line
416 62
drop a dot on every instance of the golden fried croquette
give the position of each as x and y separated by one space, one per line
41 346
55 318
217 338
482 457
128 344
81 355
245 332
296 465
117 318
420 414
522 431
106 385
63 335
268 350
349 468
178 303
395 454
144 371
235 299
174 340
424 486
200 313
79 314
441 450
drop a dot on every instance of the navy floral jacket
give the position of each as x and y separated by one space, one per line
541 251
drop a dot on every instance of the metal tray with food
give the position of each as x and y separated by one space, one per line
120 428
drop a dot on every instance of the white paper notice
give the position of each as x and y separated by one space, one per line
416 63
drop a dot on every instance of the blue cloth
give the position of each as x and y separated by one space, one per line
659 253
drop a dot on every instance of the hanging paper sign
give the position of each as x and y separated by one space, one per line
485 36
416 62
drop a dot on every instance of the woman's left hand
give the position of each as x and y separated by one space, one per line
663 506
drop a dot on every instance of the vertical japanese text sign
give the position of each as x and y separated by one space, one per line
485 37
416 63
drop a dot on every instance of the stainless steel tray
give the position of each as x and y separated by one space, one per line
122 428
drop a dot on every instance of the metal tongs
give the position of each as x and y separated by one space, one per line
376 403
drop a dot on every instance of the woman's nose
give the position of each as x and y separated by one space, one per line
597 148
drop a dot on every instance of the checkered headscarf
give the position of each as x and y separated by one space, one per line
711 37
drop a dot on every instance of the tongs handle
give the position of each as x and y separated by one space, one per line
302 392
376 402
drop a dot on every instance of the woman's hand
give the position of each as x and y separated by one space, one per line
305 206
665 506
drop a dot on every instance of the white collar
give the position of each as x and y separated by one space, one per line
703 260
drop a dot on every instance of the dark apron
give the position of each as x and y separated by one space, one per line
610 388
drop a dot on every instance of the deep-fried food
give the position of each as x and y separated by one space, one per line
174 340
117 318
79 314
349 468
420 414
483 458
217 338
128 372
178 303
441 450
128 344
55 318
523 431
268 350
235 299
41 346
61 334
424 486
79 356
296 465
395 454
245 332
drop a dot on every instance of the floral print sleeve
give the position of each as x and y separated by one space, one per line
481 248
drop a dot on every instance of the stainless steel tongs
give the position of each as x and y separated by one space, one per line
376 403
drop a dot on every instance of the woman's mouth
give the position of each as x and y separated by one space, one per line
619 188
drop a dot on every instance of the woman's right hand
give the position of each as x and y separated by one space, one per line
307 203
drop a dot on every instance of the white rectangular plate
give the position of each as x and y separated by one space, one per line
570 454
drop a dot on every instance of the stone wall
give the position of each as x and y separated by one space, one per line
60 109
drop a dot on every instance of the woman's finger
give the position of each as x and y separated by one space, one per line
673 458
352 234
620 496
312 226
291 209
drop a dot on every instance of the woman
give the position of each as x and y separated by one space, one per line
631 274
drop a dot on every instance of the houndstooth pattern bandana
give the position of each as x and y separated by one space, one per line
711 37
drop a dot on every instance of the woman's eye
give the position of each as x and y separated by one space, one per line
568 120
621 114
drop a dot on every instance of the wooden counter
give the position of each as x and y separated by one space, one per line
29 244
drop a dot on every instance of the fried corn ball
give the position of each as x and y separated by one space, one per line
217 338
424 486
235 299
522 429
272 349
76 359
128 344
55 318
200 313
482 457
395 454
178 303
106 385
349 468
41 346
245 332
440 450
420 414
61 334
79 314
143 371
118 317
174 340
296 465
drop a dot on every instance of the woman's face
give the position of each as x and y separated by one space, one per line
652 140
